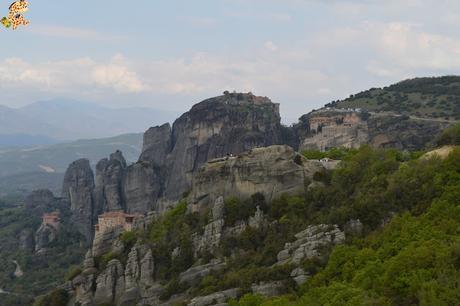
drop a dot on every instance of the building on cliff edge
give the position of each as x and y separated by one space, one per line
117 219
52 219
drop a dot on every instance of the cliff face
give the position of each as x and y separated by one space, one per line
230 124
109 183
329 128
78 190
132 276
271 171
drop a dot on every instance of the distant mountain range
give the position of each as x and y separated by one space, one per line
53 121
26 169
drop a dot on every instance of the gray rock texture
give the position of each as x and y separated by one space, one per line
271 171
194 274
110 284
328 128
45 235
26 240
78 188
109 183
142 187
216 298
157 144
310 243
39 201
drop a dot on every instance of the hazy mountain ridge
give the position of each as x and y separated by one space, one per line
40 167
65 120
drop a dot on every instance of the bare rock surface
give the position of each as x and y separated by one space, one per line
310 242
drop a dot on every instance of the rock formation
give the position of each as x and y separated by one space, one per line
45 235
142 187
229 124
271 171
109 183
26 240
157 144
310 242
78 188
40 201
328 128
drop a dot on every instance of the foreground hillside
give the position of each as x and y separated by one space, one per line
381 229
222 204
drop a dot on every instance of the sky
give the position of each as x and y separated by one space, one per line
172 54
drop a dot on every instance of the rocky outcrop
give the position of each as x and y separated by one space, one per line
310 243
326 129
109 183
269 289
194 274
334 127
78 188
403 132
110 283
299 276
142 187
118 284
271 171
213 231
217 298
40 201
104 241
26 240
45 235
157 144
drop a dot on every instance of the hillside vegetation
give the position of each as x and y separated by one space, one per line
407 254
413 260
421 97
41 271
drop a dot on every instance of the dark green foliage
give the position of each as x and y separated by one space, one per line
334 153
58 297
41 272
173 287
174 230
414 259
237 210
451 136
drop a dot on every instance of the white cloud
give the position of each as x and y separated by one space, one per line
69 75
